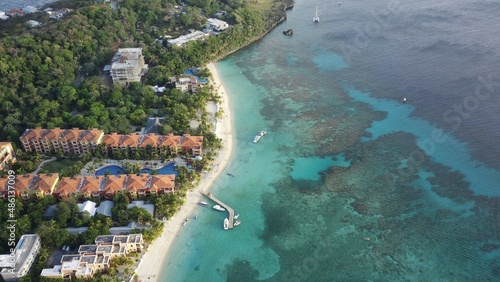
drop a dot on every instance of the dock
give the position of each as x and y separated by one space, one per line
220 203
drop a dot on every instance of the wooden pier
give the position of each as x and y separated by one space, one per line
220 203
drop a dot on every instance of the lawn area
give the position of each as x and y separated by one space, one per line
58 165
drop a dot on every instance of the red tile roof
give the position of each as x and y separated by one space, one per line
136 182
150 139
3 184
114 183
193 141
23 182
170 141
32 134
92 135
131 140
112 139
72 135
53 134
67 186
44 182
166 181
91 184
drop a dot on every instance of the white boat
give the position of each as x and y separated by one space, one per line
196 216
185 221
226 224
236 223
202 203
236 216
316 17
257 137
219 208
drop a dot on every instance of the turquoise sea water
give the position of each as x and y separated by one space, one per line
351 184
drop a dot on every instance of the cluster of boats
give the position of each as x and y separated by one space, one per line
226 220
236 223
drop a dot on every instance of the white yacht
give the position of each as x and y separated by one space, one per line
257 137
226 224
219 208
236 216
236 223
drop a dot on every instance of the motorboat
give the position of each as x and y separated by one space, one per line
236 216
226 223
203 203
257 137
316 17
236 223
185 221
219 208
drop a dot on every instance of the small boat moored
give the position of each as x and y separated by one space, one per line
226 223
236 216
288 32
236 223
257 137
203 203
219 208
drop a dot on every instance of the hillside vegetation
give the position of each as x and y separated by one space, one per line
50 75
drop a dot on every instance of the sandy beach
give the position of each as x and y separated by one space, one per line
150 267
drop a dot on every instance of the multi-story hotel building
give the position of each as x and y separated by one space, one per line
92 259
127 66
6 154
16 265
79 141
76 141
30 186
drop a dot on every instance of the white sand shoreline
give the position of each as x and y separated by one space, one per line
151 266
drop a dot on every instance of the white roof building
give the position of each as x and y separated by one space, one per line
149 207
3 16
29 9
17 265
88 206
127 66
182 40
33 23
217 24
158 89
105 208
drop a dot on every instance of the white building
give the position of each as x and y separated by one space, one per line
33 23
29 9
15 266
93 259
88 206
105 208
3 16
216 24
127 66
140 204
181 41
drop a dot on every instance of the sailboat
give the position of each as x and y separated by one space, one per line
316 17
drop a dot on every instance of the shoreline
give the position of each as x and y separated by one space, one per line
287 6
151 264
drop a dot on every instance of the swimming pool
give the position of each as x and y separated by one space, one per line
116 170
190 72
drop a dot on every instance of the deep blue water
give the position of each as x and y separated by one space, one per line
350 183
